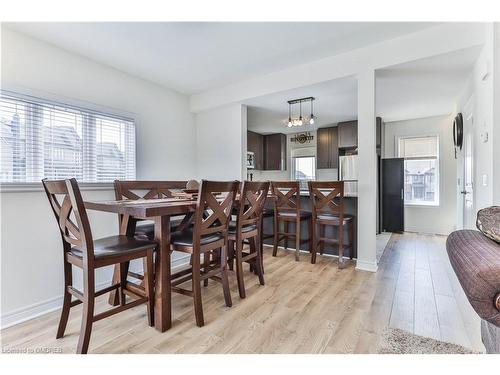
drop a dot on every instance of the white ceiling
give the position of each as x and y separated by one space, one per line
193 57
418 89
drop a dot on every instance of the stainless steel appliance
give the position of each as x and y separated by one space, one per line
348 172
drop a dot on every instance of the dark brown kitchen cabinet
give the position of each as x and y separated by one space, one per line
327 153
275 152
348 134
255 144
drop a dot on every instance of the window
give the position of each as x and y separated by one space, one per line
41 139
421 156
304 169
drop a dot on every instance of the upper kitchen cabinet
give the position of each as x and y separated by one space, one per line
327 153
348 134
275 152
255 144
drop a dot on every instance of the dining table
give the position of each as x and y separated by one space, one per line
160 211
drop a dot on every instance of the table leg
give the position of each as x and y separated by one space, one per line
127 228
163 288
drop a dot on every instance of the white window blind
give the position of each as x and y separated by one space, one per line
42 139
421 156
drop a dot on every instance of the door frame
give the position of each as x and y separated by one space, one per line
468 112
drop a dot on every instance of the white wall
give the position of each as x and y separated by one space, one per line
31 252
221 143
429 219
486 155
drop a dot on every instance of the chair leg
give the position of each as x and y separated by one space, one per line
321 242
230 254
87 311
223 276
341 246
149 286
314 244
275 243
206 265
239 269
261 244
258 260
68 280
297 239
198 307
123 281
287 230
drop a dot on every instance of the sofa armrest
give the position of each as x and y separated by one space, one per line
476 262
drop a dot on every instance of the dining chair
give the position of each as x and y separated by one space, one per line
287 211
327 200
82 251
247 226
146 190
208 238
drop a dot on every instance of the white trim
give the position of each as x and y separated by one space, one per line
362 265
35 310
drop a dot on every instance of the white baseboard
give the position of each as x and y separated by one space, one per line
35 310
362 265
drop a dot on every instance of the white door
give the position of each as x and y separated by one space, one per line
468 172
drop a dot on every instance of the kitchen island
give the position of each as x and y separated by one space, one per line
350 208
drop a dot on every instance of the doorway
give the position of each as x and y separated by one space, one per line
467 190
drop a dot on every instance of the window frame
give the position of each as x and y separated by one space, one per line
23 93
437 202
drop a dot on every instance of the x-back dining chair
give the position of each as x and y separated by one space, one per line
81 250
327 200
247 226
208 237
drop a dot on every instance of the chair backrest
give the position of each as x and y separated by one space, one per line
66 201
213 214
287 196
134 190
327 197
146 189
253 196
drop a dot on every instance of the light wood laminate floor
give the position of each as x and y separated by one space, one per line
303 308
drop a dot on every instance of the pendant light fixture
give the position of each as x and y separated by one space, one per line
300 120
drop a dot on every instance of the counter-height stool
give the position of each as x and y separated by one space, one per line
247 226
327 201
287 211
81 250
207 237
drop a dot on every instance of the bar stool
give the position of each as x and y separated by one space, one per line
247 228
287 210
327 201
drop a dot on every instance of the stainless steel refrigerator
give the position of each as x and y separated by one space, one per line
348 172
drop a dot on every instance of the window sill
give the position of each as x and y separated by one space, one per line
37 186
420 205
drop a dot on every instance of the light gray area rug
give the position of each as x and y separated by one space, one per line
396 341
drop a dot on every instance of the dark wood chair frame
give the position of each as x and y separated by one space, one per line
327 201
253 196
288 203
148 190
211 217
80 234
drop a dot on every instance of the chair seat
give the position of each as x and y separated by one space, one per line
333 219
148 229
244 229
185 238
114 246
303 214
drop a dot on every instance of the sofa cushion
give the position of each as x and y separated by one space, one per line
476 262
488 222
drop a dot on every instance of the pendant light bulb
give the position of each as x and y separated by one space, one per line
311 121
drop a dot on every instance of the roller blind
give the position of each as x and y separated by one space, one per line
418 147
42 139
